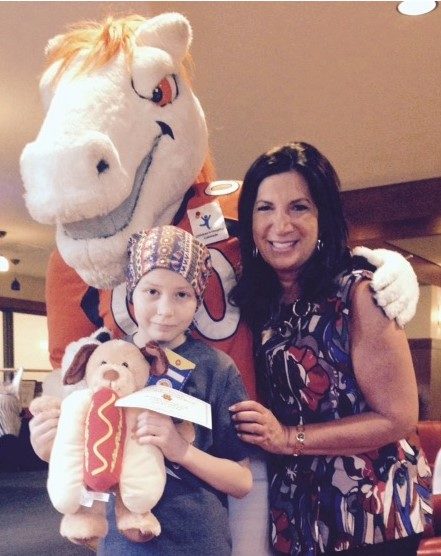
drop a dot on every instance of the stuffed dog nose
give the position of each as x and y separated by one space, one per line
111 375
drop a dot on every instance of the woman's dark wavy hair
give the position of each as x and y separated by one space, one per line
258 291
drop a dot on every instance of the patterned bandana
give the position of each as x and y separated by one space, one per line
170 248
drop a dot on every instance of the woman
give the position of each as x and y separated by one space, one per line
335 374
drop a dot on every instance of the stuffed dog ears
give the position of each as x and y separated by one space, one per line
78 366
78 354
156 358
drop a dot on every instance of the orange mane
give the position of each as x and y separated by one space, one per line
100 42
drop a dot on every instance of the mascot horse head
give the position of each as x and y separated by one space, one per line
123 139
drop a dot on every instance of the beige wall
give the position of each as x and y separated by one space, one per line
32 289
424 334
426 323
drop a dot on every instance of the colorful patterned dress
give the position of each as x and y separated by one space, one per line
320 503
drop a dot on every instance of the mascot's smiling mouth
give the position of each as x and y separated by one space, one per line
116 220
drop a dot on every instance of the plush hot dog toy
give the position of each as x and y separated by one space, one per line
105 436
93 454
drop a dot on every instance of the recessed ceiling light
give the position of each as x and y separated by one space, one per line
4 264
416 7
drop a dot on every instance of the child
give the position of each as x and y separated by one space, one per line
167 273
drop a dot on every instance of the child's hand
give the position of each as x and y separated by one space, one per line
43 428
159 430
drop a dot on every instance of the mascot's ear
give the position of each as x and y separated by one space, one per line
170 32
47 79
53 44
156 358
77 368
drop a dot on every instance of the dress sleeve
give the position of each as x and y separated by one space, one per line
226 443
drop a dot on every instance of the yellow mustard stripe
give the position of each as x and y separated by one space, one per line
86 440
117 441
106 437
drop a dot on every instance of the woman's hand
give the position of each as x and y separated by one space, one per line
43 428
159 430
257 425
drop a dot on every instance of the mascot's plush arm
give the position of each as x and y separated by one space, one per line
72 307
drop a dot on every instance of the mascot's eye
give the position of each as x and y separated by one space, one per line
166 91
124 364
103 362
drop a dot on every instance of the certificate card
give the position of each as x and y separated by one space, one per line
169 401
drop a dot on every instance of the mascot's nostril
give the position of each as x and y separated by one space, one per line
102 166
111 375
165 128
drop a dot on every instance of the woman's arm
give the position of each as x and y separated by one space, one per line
230 477
384 371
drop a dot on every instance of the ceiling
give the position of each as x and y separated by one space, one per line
357 79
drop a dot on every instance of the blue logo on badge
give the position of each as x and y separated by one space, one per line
205 221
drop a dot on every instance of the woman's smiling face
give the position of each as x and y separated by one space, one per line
285 223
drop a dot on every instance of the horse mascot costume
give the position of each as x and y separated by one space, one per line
123 147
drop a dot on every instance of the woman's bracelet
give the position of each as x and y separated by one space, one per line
300 441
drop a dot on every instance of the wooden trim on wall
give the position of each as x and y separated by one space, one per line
395 229
379 215
420 343
396 211
22 306
412 200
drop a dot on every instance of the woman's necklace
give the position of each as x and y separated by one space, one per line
300 309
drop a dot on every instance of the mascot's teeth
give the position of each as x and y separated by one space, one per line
109 224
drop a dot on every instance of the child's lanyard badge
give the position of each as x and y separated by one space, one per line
178 372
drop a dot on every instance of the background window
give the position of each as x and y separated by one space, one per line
30 341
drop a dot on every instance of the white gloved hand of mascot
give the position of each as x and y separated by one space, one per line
394 282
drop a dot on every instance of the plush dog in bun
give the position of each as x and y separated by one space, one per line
93 452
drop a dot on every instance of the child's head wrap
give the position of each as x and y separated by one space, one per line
170 248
